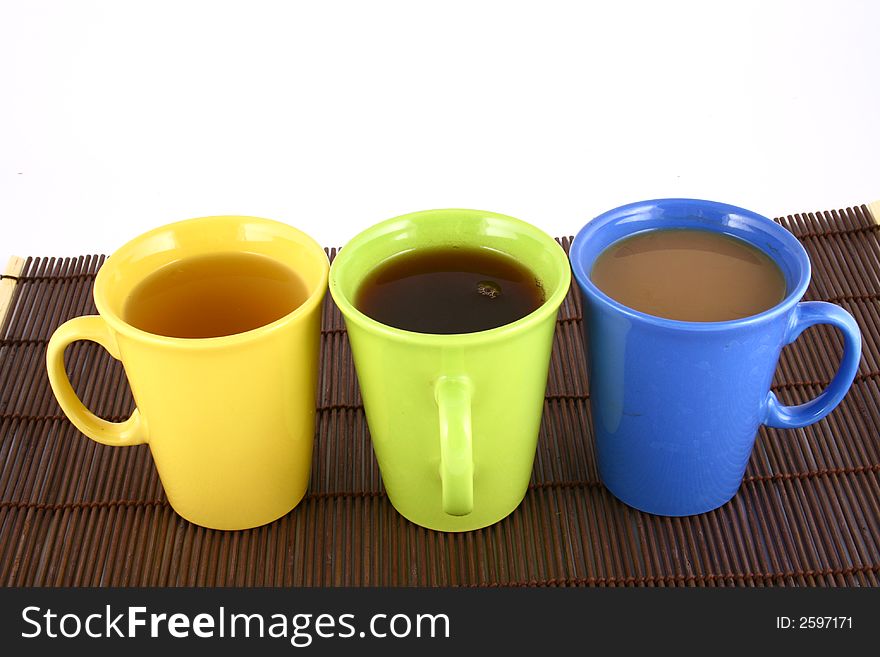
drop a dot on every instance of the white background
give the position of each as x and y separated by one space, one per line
119 116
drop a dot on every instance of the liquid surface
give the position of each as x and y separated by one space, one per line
449 290
214 295
689 275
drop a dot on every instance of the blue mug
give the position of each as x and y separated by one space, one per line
676 405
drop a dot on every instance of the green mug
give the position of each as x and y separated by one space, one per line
454 419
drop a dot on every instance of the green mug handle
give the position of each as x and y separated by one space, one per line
453 395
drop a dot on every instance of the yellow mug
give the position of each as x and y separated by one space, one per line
230 420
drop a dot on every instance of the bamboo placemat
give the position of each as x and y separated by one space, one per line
73 512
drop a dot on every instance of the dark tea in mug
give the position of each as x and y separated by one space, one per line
449 290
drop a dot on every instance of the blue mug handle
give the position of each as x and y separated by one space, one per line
807 314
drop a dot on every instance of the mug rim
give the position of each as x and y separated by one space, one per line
549 308
119 324
717 210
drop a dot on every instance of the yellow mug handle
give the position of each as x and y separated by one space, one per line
130 432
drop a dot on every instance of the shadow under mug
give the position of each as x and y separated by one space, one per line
453 418
676 405
230 420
